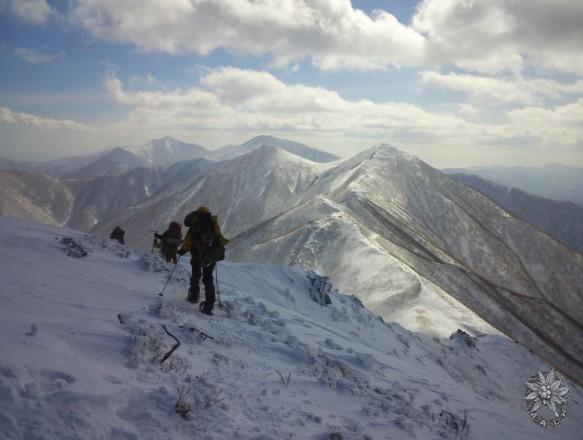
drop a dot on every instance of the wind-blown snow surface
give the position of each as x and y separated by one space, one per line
70 368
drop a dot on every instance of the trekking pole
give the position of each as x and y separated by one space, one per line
217 283
169 276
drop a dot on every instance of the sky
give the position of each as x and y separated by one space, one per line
454 82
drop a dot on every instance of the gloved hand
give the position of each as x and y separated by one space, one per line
158 236
181 252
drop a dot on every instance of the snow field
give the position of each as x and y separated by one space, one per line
82 337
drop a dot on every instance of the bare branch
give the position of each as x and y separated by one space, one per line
201 333
167 355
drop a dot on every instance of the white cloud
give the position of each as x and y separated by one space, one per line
491 90
7 116
329 32
480 88
34 56
561 124
485 36
239 101
36 12
496 35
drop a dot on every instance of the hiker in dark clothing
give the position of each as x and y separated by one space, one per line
169 242
117 234
206 244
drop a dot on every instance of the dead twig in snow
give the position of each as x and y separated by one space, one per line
167 355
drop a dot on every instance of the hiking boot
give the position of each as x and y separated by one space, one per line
193 297
204 309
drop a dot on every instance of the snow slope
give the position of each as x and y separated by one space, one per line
81 341
389 228
43 198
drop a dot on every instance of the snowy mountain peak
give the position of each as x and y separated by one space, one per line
167 150
115 162
267 140
261 140
164 142
388 152
293 147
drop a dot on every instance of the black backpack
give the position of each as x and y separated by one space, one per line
201 226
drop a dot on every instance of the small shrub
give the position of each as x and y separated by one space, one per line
182 406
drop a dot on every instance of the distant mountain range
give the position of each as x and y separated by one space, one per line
155 153
56 167
561 220
411 242
556 182
83 191
80 203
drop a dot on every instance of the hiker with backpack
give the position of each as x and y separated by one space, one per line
170 240
117 234
206 245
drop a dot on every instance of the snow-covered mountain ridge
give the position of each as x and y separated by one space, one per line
82 340
411 243
414 245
